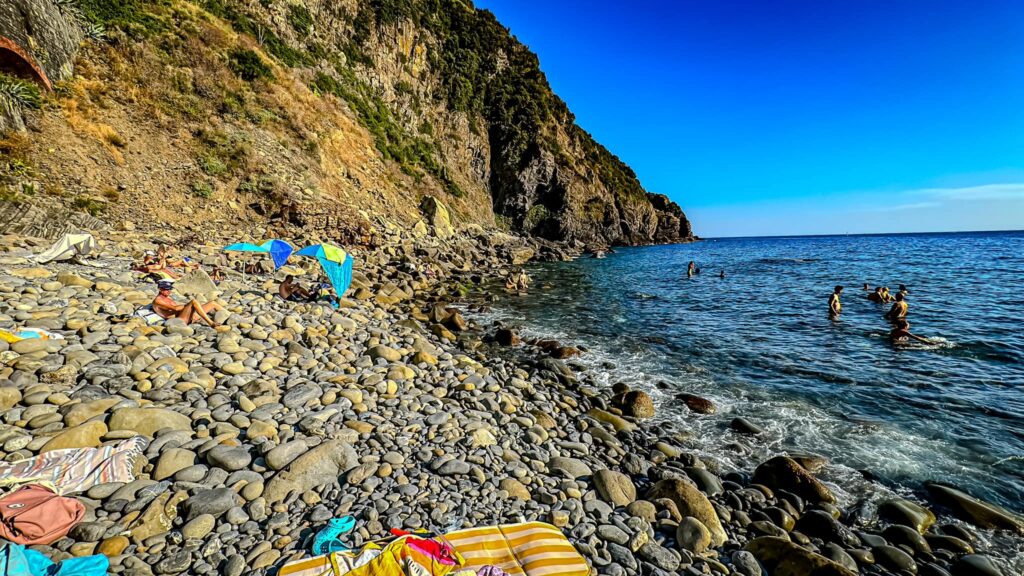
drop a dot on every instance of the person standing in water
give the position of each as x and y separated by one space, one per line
691 269
898 310
835 307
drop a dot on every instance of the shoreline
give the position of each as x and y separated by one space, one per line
420 419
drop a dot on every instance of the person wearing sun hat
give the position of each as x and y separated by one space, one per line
166 307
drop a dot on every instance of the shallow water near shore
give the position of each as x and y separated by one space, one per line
760 344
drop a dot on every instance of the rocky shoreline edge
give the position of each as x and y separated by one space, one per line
397 410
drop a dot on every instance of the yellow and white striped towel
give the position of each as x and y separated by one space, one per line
528 549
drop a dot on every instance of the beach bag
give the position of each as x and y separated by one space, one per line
35 515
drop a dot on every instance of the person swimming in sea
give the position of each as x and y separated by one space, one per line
722 274
903 290
835 307
898 310
867 287
887 296
691 269
877 296
900 334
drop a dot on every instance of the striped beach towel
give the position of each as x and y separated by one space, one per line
528 549
76 469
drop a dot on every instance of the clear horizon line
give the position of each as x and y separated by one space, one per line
860 234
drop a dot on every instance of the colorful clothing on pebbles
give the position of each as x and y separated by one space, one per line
528 549
16 560
76 469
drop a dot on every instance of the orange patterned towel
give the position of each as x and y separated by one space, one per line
528 549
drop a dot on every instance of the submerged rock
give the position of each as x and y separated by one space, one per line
784 473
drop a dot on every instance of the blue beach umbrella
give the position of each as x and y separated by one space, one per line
244 247
279 251
337 264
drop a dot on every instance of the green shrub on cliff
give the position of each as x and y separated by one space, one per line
16 93
248 65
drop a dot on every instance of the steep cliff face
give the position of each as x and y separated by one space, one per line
317 113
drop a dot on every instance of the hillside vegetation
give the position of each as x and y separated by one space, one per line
320 114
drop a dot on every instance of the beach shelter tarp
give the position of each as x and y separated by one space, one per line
279 251
67 247
337 264
244 247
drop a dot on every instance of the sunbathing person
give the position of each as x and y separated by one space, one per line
153 266
191 312
164 256
901 333
292 291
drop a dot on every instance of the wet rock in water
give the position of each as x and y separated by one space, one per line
907 536
908 513
783 473
690 502
978 512
976 565
638 404
821 524
951 543
318 467
893 558
780 556
615 487
744 426
697 404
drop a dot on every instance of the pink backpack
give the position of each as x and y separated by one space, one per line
35 515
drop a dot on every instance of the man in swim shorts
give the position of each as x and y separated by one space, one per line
291 291
165 306
898 310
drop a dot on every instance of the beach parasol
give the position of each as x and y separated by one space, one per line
279 250
337 264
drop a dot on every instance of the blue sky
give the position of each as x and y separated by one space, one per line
786 117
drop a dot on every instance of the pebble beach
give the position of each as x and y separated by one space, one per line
399 409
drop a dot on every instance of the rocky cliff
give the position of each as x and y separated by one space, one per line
318 114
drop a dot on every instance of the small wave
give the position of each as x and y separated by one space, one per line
786 260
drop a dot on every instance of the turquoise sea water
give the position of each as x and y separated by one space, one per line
761 345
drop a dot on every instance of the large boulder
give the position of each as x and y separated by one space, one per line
147 421
83 436
784 473
690 502
318 467
638 404
784 558
907 513
438 216
615 487
981 514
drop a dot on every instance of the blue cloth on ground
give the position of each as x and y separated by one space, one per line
16 560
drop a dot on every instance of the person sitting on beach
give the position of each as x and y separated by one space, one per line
834 305
901 333
165 306
217 275
292 291
898 310
155 268
163 254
